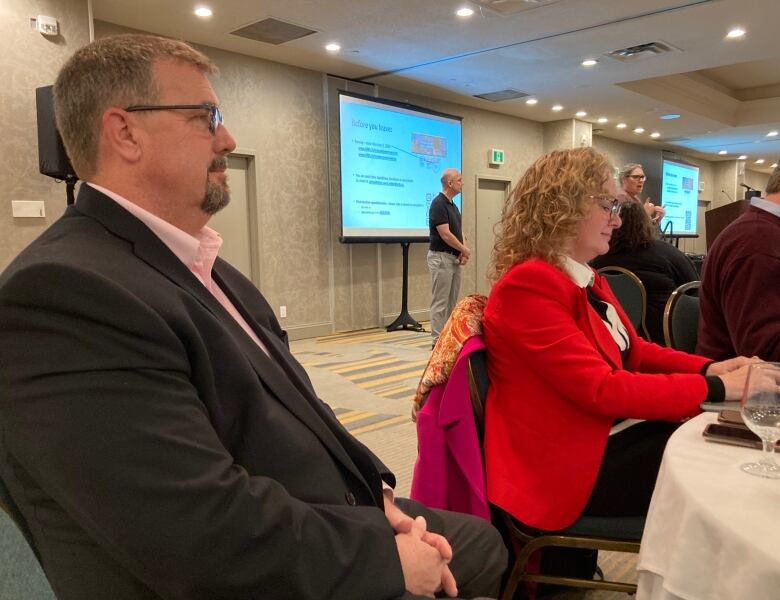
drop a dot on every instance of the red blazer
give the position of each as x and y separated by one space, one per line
556 387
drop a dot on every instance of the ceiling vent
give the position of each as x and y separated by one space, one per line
272 31
502 95
641 51
512 7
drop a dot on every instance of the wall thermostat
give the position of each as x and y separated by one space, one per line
47 25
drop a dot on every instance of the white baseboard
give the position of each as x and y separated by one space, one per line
309 330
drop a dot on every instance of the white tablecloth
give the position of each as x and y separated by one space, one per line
713 531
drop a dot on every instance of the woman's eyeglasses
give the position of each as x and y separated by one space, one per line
609 205
637 177
215 115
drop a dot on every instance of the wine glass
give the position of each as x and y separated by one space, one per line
761 413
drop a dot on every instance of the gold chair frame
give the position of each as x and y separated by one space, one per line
671 304
615 270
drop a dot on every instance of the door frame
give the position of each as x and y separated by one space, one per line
507 189
253 210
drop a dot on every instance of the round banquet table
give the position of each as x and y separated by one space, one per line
712 531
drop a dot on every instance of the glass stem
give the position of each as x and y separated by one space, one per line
768 454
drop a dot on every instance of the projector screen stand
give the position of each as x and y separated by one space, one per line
405 320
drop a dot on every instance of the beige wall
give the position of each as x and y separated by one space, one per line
286 118
283 116
725 175
29 60
756 180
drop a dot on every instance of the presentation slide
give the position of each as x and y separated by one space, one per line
680 198
392 158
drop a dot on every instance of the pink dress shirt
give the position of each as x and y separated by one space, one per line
197 253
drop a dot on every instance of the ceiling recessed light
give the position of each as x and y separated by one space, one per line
773 165
771 134
670 116
760 161
580 113
722 152
737 32
589 62
655 134
639 130
621 125
602 119
742 157
464 12
531 101
202 11
332 47
557 107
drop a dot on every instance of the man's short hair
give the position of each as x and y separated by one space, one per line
447 176
112 71
773 185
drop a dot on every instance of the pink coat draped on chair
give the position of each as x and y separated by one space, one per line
449 472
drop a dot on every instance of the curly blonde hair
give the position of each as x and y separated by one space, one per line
542 212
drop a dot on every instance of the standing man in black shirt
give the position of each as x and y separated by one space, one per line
447 252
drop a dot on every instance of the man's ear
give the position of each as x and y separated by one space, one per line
119 135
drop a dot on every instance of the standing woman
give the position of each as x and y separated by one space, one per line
660 266
632 182
565 363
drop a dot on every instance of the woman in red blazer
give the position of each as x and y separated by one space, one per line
565 363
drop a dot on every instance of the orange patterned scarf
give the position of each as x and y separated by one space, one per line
464 322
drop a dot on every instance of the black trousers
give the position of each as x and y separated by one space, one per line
628 470
623 488
479 556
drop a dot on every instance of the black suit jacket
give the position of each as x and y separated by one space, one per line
154 449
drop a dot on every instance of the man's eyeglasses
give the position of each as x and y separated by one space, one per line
637 177
215 115
609 204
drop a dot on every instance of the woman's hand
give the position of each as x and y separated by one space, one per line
734 381
656 212
726 366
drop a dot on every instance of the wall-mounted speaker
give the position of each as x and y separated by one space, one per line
52 159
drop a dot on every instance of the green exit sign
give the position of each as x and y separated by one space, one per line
496 156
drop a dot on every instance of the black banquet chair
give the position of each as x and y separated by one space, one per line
631 293
619 534
681 317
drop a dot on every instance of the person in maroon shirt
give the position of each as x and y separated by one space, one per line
740 287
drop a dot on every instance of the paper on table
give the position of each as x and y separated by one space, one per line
719 406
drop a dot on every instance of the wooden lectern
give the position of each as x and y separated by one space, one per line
717 219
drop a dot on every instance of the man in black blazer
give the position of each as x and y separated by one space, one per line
157 434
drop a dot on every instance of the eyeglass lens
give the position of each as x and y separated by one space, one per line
216 118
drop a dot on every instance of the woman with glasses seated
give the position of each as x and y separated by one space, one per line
569 375
660 266
632 181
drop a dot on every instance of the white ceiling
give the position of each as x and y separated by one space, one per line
726 91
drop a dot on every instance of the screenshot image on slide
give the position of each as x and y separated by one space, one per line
680 197
392 158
